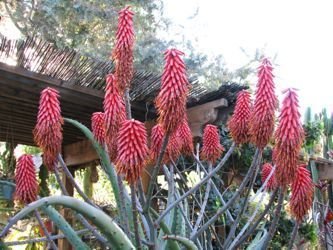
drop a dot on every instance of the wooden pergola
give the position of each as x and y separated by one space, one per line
30 65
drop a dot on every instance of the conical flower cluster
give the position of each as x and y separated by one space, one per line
265 172
171 100
98 126
173 149
25 178
212 149
239 122
265 103
288 139
123 51
48 129
157 135
132 149
185 138
114 114
301 193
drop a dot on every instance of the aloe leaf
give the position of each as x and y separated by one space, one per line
116 237
63 225
189 245
105 161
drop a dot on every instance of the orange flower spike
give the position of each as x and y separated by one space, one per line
212 148
171 100
26 181
98 126
301 193
48 129
239 122
132 150
266 170
157 135
265 104
123 51
185 137
289 138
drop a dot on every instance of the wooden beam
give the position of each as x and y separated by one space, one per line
83 152
200 115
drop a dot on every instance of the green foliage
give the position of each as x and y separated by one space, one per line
308 231
43 183
313 132
87 184
283 232
7 160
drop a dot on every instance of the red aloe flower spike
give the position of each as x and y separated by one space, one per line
265 104
185 137
301 193
157 135
98 126
212 148
48 129
132 150
265 172
123 51
111 145
173 149
239 122
114 106
25 178
171 100
289 138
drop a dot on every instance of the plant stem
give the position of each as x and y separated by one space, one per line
197 186
73 182
215 189
84 222
135 218
276 218
42 239
123 215
250 220
155 173
46 232
232 199
293 236
203 206
245 203
254 226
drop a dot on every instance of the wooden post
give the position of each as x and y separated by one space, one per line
63 244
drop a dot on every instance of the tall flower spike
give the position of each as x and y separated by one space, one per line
212 148
98 126
173 149
157 135
265 172
114 114
288 139
171 100
123 51
25 178
301 193
265 103
114 106
48 129
132 150
239 122
185 137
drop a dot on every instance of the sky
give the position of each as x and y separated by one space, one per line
298 32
